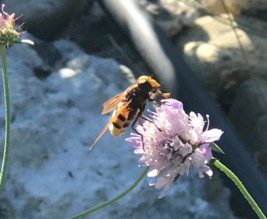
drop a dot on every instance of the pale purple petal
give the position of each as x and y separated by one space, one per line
134 140
197 159
172 102
207 170
196 121
172 142
153 173
211 135
206 151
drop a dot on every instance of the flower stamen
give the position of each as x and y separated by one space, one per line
208 122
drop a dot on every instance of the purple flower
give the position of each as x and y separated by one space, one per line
8 34
171 141
6 19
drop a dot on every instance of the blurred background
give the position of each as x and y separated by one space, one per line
211 54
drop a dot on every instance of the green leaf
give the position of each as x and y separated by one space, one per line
216 148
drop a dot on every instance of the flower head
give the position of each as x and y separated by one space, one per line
8 34
172 141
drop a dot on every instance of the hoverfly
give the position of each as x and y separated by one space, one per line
129 105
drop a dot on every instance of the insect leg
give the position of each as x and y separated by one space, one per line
158 92
137 118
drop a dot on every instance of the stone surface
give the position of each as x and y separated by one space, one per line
47 18
212 51
235 7
52 174
172 16
248 113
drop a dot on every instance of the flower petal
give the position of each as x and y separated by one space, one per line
173 141
211 135
207 170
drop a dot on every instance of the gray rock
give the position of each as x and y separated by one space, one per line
172 16
46 19
212 51
248 113
234 7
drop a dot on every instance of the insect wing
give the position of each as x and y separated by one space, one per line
112 103
102 133
108 106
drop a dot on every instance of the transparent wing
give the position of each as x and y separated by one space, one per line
102 132
108 106
112 103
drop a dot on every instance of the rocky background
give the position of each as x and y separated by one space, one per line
58 86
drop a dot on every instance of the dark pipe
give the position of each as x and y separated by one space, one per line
166 63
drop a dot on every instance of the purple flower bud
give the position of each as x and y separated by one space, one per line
8 33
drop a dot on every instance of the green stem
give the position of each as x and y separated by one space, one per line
103 204
7 114
241 187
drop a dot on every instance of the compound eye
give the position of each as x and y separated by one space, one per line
144 85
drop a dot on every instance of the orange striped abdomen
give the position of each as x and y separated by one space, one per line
120 120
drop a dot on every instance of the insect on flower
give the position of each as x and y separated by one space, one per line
129 105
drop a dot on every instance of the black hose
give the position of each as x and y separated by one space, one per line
167 64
